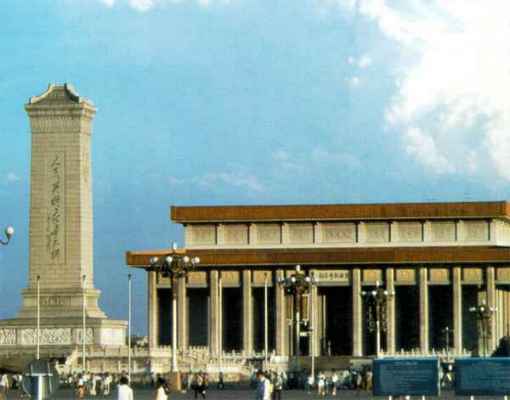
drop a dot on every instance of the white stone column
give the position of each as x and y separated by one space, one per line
491 302
424 310
390 312
214 329
281 317
153 310
247 313
357 317
314 318
182 315
457 309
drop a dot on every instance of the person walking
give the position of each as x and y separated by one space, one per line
278 387
124 391
321 385
334 383
162 390
221 382
263 391
4 386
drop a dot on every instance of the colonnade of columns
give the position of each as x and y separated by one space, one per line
282 338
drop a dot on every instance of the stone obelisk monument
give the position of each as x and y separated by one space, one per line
61 231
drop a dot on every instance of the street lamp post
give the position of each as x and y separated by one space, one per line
9 232
38 341
129 325
297 285
483 314
376 301
84 322
174 265
266 319
447 331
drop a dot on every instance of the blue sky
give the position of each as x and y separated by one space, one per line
254 101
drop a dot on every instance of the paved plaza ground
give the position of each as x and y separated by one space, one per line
146 394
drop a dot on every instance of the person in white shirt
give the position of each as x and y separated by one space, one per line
4 384
263 387
162 390
124 391
334 383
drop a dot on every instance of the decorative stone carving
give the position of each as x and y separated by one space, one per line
377 232
372 275
259 277
338 232
55 301
301 233
230 279
476 231
7 337
409 232
439 275
203 234
503 274
50 336
269 233
235 234
405 275
472 275
443 231
89 337
56 336
197 278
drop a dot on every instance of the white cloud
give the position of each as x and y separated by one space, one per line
354 81
11 177
314 159
147 5
365 61
451 79
237 179
142 5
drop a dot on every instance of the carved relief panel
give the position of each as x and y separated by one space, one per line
503 275
476 231
439 275
301 233
409 232
338 232
377 232
230 278
371 276
472 275
269 233
197 279
202 234
259 278
405 276
236 234
443 231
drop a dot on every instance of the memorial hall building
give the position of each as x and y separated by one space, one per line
439 260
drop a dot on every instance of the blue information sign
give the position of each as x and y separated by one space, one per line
482 376
406 376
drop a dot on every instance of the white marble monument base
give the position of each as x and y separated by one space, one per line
64 333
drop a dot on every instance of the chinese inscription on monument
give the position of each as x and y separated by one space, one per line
55 235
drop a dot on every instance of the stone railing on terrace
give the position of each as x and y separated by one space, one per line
441 353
